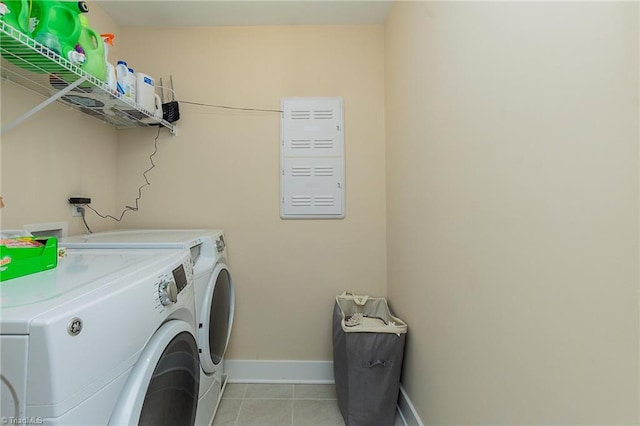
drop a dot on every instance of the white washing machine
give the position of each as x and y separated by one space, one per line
215 295
108 337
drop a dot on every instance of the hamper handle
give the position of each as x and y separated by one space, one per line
371 364
359 300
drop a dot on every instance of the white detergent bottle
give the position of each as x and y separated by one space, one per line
131 80
147 98
122 72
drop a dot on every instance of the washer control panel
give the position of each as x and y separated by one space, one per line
167 291
220 244
180 277
170 285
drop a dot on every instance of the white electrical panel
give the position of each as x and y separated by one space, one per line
312 158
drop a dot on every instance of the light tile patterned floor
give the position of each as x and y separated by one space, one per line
280 405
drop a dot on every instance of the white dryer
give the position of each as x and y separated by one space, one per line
108 337
215 295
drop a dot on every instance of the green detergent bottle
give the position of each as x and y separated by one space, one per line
17 15
91 43
57 24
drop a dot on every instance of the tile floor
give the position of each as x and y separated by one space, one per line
280 405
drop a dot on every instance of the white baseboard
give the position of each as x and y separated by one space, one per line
407 411
274 371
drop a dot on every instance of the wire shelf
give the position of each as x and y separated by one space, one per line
32 65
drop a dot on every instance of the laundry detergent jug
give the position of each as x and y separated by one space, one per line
92 46
146 96
17 14
125 81
56 25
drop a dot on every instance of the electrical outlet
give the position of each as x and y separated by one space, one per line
75 210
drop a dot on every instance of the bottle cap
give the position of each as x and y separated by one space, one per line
122 63
131 70
108 37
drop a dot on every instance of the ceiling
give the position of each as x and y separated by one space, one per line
144 13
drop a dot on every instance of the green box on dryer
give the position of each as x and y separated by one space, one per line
27 255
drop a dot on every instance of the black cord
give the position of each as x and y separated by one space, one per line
230 107
84 220
147 183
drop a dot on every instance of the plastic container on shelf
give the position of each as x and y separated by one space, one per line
17 15
111 79
123 80
146 95
57 24
93 47
131 79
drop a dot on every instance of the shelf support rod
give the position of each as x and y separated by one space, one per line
42 105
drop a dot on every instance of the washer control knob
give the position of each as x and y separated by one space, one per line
168 292
220 245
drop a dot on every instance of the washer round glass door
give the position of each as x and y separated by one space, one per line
216 318
162 388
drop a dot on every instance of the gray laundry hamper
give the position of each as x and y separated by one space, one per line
368 346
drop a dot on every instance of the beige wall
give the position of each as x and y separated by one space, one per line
222 170
507 214
53 155
512 202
